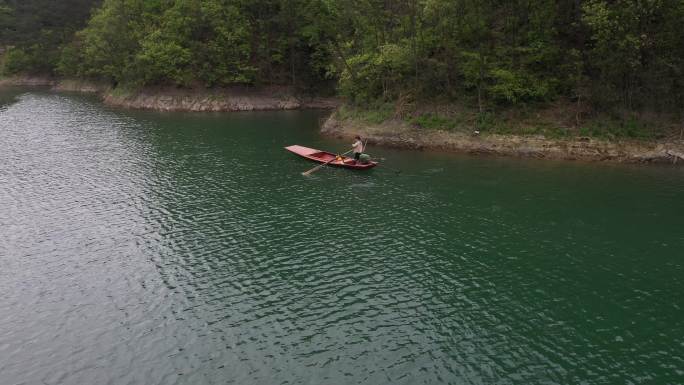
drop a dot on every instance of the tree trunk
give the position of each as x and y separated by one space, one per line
480 82
339 52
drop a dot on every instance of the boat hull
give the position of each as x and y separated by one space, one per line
324 156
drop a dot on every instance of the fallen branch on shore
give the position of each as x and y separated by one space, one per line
675 155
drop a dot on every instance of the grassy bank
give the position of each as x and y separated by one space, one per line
562 120
559 131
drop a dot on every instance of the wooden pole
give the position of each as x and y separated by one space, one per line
309 172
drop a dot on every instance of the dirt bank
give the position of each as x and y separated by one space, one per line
397 133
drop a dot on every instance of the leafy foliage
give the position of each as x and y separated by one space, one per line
16 59
626 54
34 31
636 52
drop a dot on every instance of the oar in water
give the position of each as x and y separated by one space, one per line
390 168
307 173
385 166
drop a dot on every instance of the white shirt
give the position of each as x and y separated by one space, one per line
358 146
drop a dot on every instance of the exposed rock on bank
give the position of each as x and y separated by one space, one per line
30 81
177 99
67 85
228 99
393 133
397 133
75 85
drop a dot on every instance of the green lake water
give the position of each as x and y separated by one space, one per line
173 248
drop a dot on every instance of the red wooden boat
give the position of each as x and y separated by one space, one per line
324 156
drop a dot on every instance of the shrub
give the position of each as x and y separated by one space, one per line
16 61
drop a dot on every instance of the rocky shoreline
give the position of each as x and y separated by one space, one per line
28 81
392 133
234 99
195 100
399 134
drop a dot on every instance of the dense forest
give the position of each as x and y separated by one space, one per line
38 30
611 54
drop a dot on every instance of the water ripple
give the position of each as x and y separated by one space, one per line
178 249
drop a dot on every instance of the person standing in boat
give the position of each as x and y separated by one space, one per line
358 148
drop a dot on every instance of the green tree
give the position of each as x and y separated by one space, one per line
624 55
636 52
38 28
